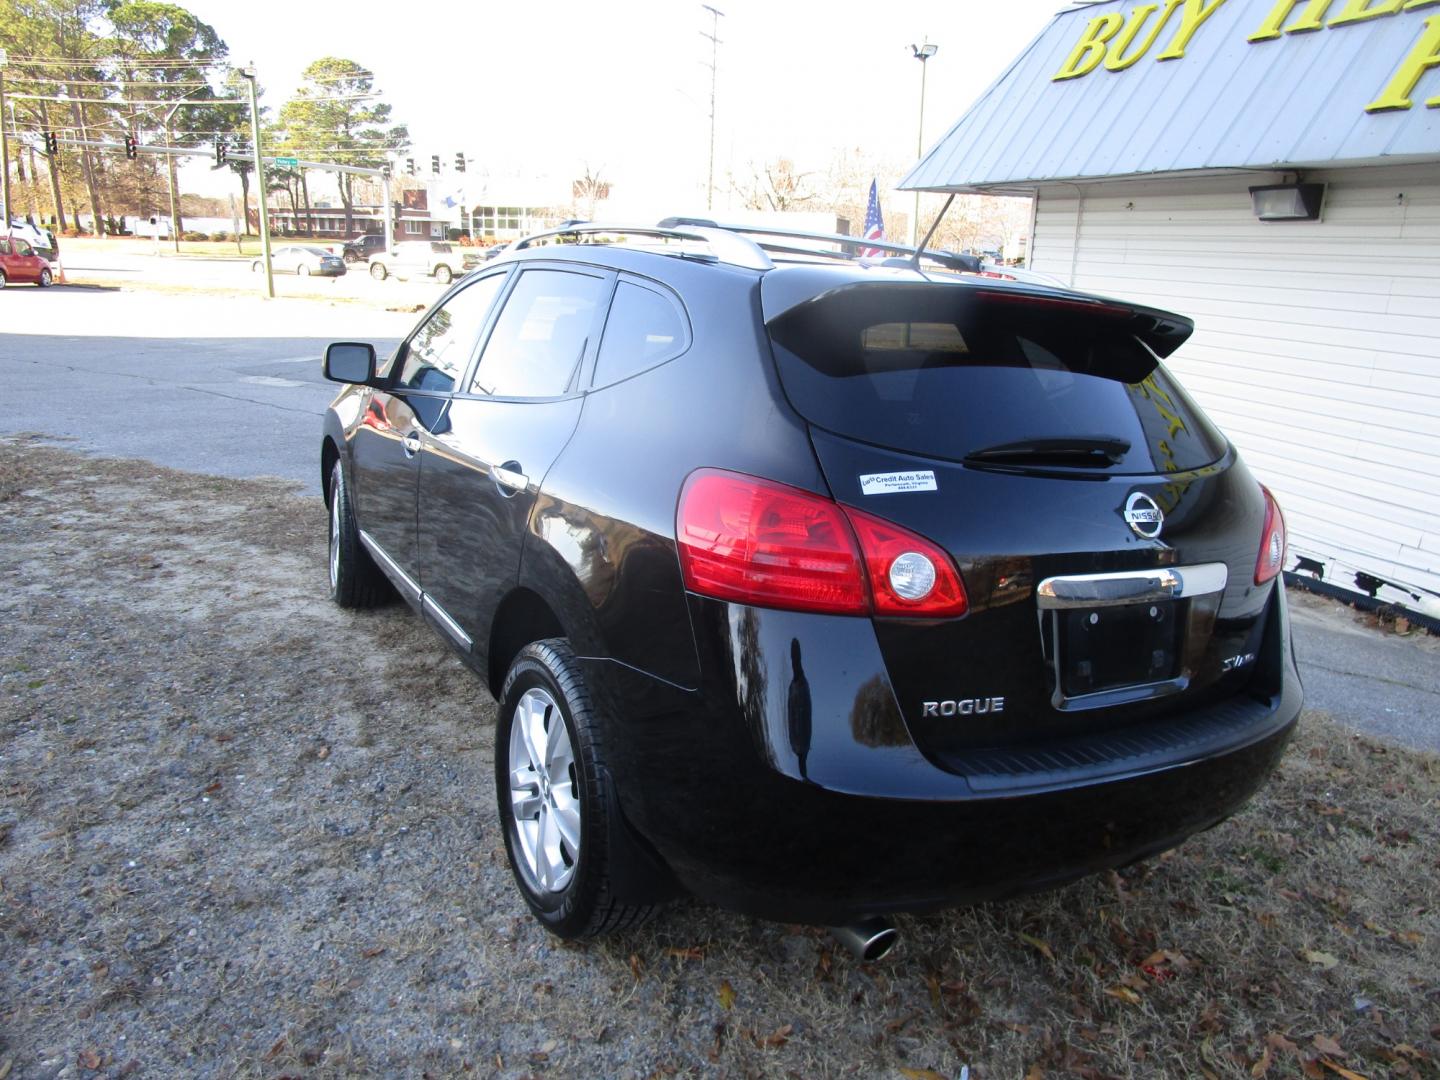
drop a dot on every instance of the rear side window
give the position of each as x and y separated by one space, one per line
540 336
644 328
949 373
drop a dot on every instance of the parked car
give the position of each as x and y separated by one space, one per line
302 259
19 262
816 588
362 247
438 259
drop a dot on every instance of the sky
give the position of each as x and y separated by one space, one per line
535 94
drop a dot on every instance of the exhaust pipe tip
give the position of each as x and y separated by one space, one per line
869 939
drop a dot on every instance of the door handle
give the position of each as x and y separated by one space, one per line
411 443
511 478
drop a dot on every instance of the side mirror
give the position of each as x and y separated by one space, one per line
350 362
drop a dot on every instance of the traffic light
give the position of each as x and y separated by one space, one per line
410 165
130 149
435 164
52 143
222 152
459 162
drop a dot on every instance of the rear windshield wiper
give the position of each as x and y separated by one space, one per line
1098 451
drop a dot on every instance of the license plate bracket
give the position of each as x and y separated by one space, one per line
1114 646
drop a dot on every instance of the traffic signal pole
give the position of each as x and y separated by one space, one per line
250 79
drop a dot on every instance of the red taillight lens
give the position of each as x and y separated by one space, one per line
772 545
1272 541
908 574
768 544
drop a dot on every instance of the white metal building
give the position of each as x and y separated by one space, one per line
1140 129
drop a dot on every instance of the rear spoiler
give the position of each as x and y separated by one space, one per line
783 291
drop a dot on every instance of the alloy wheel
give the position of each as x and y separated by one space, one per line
543 797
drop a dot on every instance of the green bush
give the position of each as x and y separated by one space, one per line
194 236
218 236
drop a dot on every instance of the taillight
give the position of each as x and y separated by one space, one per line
758 542
1272 541
908 574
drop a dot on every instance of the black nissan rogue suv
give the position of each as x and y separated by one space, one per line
817 586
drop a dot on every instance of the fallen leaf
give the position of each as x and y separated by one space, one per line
1261 1067
921 1074
1320 959
1035 1073
1124 993
5 1067
637 967
695 952
727 995
1340 1070
1276 1041
1038 945
322 753
372 952
88 1059
213 788
779 1037
1327 1045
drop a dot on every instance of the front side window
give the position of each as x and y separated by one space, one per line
538 340
437 354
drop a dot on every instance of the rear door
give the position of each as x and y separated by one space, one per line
1105 532
484 467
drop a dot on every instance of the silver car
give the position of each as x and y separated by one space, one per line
302 259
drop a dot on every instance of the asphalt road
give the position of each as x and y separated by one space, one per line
223 385
232 386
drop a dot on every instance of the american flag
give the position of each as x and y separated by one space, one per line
874 223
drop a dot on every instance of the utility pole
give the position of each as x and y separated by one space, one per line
713 36
4 149
922 53
250 77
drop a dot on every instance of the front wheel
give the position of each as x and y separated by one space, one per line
377 271
443 274
355 580
555 796
45 278
3 279
303 270
256 266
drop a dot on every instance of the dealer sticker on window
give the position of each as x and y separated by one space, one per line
891 483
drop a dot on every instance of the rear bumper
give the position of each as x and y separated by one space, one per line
804 799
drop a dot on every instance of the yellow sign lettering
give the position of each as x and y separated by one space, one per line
1359 10
1424 56
1192 16
1090 49
1115 58
1313 18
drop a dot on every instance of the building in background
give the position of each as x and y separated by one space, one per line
1142 131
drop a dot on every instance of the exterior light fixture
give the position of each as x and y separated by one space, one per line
1287 202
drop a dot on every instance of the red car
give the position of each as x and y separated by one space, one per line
18 262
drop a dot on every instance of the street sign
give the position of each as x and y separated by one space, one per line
287 162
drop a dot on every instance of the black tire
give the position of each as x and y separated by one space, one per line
45 278
303 270
355 580
256 266
585 907
3 280
377 271
443 274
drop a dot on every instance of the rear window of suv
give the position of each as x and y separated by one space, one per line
948 373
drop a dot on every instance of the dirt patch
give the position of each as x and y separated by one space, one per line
244 833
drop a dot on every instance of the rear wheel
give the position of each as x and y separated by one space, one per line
45 278
355 580
377 271
303 270
443 274
3 280
256 266
555 795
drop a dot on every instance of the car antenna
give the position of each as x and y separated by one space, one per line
926 242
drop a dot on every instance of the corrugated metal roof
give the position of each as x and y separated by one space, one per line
1298 100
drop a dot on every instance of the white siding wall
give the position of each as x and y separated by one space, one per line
1317 344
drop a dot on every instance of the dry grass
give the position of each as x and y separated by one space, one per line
245 834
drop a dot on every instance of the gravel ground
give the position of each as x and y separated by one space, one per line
246 834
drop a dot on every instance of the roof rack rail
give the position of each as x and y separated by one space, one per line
733 243
725 245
